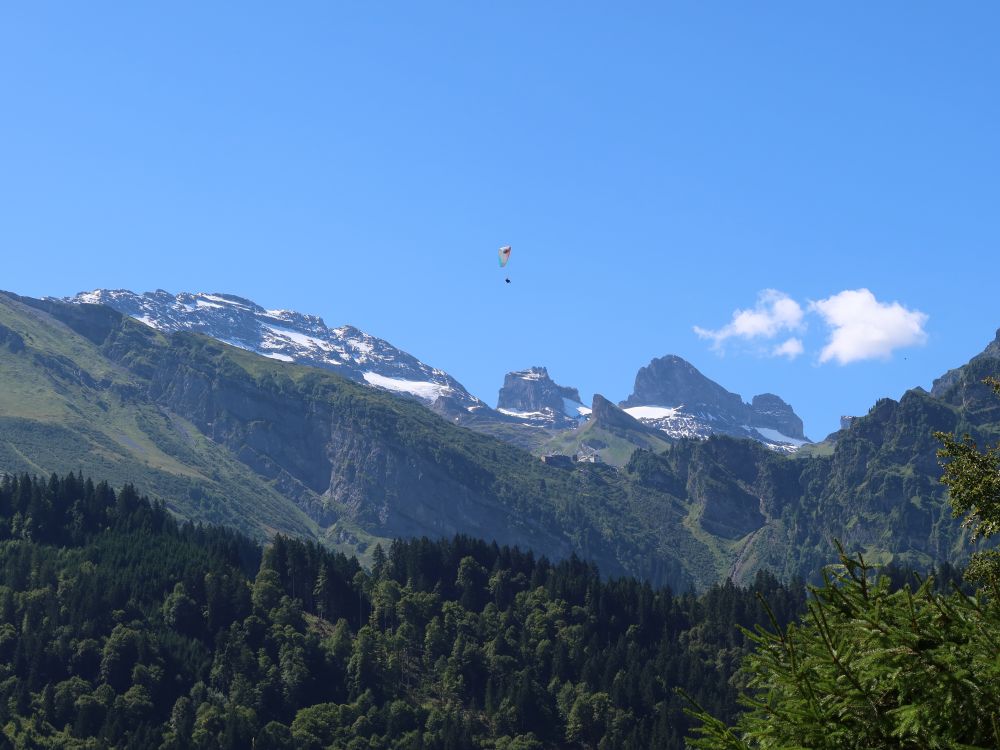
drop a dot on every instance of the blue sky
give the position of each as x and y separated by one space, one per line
656 167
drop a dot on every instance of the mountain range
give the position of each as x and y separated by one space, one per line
220 433
288 336
670 394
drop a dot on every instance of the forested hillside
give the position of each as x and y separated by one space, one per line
882 660
120 628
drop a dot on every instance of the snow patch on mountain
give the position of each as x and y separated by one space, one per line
773 436
678 423
531 416
422 389
652 412
575 409
672 396
301 339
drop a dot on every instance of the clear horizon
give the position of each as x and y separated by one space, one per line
716 183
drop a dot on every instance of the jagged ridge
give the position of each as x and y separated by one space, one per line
289 336
532 396
673 396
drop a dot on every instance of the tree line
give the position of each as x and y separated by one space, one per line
120 627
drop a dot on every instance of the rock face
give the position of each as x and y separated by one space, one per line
11 339
531 395
950 378
607 415
671 395
771 412
670 380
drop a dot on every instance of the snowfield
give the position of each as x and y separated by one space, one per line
652 412
575 409
422 389
773 436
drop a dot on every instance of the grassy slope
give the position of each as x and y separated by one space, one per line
613 448
64 406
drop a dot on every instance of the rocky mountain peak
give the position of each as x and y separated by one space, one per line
770 412
992 349
671 395
531 394
950 378
605 414
672 381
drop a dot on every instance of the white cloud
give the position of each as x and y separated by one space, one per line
864 328
790 348
774 312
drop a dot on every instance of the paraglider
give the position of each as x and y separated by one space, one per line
504 255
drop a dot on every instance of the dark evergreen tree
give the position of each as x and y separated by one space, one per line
120 628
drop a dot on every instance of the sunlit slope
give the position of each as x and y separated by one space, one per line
65 405
614 447
610 434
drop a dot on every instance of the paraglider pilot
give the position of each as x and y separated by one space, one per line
504 256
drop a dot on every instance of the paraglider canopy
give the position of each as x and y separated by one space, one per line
504 254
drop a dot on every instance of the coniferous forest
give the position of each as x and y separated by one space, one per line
121 628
